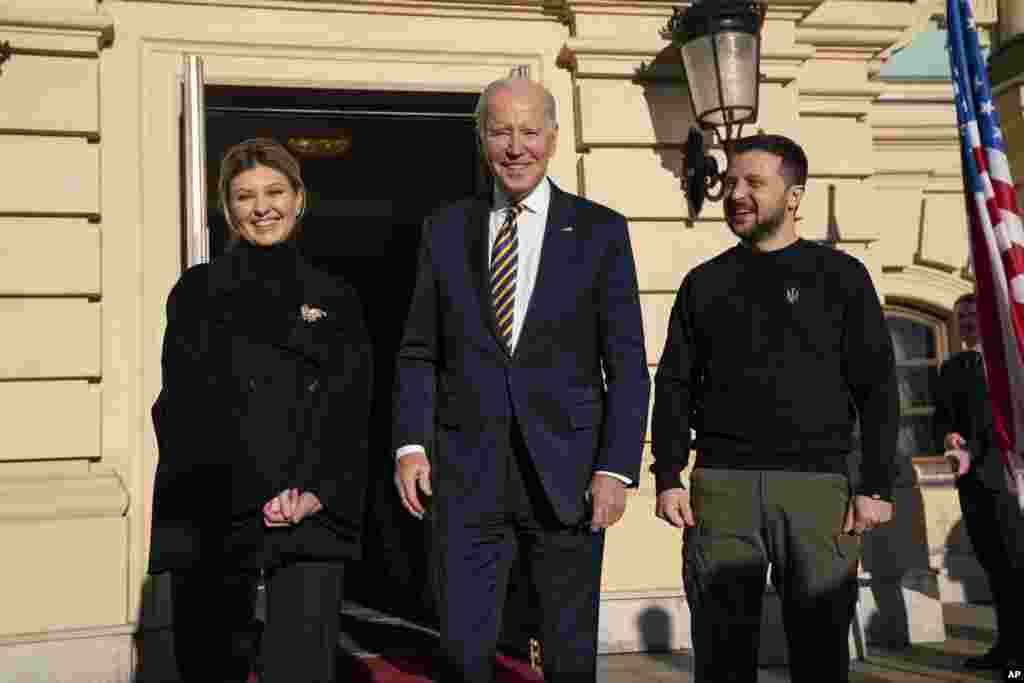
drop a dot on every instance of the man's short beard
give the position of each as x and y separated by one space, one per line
762 230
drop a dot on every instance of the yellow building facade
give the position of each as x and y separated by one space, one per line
91 240
1006 68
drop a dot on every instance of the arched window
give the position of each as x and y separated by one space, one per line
920 344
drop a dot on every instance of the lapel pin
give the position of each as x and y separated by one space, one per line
567 229
311 314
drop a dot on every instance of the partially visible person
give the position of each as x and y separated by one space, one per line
771 345
963 425
262 425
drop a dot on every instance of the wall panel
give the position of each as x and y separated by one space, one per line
944 239
54 175
58 94
653 177
900 229
50 338
49 420
49 256
836 145
641 535
36 592
665 251
624 112
846 206
656 309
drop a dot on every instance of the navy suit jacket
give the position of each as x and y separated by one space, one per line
577 384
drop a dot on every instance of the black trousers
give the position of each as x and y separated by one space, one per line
475 556
213 611
746 520
995 526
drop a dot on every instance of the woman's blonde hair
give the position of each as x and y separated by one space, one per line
249 154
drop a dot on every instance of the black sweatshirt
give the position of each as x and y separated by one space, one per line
770 357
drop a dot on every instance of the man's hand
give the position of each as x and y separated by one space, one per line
673 506
608 497
290 507
412 470
865 513
957 455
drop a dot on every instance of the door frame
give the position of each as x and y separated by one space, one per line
404 67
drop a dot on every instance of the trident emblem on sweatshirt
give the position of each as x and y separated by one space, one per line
792 294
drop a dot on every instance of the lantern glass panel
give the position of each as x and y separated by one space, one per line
738 62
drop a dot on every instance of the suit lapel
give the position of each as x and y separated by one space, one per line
555 251
478 256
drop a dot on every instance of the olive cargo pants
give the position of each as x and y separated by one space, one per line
792 520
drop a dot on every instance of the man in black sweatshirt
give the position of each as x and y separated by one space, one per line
774 347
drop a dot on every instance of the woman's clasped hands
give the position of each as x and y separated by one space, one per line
290 507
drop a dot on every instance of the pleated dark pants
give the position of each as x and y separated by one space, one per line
214 610
475 554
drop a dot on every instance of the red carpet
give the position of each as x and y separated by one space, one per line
419 670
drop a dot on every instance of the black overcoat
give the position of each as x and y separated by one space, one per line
257 398
962 405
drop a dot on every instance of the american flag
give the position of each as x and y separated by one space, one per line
996 237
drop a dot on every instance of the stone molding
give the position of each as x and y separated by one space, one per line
68 634
522 10
925 284
612 58
100 494
50 32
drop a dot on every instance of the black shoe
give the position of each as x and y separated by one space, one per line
992 660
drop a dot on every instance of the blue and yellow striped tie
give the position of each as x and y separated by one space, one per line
504 262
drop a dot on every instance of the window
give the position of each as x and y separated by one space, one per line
919 343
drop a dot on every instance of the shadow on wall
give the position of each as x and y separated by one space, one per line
667 96
655 627
962 566
154 644
896 556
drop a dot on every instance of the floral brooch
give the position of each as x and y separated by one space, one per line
311 314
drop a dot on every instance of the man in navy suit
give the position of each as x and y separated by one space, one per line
521 394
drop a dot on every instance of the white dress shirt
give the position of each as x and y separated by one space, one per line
530 228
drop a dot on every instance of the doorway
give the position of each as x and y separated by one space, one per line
386 160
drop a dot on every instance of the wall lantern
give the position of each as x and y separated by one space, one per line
5 53
720 44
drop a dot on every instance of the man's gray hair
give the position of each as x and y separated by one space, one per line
550 113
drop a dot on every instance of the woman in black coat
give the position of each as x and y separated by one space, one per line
262 426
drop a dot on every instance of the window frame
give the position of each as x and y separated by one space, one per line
942 330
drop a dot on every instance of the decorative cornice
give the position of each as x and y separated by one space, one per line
102 494
844 29
914 92
614 58
915 282
535 10
854 43
50 32
784 65
930 138
658 8
853 102
100 23
793 10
